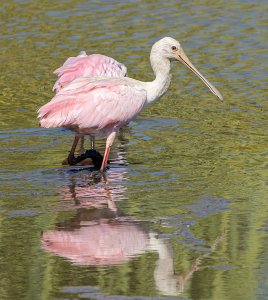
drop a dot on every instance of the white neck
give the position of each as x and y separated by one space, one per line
161 68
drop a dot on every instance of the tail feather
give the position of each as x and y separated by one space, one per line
57 114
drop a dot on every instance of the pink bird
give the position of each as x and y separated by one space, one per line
99 106
93 65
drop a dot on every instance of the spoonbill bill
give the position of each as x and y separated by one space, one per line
99 106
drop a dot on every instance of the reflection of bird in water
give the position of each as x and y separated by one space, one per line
99 239
100 106
167 282
101 235
89 189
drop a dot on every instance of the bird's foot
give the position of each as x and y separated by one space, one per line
72 161
94 155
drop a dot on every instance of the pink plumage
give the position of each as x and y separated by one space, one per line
93 107
97 244
94 65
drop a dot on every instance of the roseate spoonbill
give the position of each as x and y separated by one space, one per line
93 65
99 106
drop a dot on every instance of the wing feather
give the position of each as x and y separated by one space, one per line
87 65
93 106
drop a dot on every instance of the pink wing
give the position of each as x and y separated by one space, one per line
86 246
93 106
88 65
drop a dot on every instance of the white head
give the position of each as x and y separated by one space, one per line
166 48
170 49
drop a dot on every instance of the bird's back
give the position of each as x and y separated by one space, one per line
88 65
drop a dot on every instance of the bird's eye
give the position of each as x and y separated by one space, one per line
174 48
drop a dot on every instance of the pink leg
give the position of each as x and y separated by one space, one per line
109 142
105 158
71 158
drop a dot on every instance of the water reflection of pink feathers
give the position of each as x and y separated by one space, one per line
99 235
97 243
85 65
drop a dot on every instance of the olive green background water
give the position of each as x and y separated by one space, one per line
190 172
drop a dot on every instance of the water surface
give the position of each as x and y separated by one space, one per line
182 212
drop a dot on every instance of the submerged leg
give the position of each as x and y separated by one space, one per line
109 142
71 158
81 146
92 139
82 142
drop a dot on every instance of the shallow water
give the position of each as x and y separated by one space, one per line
182 212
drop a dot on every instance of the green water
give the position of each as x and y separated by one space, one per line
185 199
